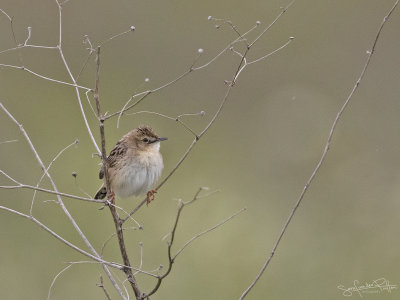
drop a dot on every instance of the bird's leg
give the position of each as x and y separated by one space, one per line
112 197
150 196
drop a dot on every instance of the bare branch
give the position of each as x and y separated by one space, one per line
141 258
237 40
44 77
145 94
325 152
55 278
9 177
13 33
117 221
31 187
101 285
10 141
245 64
48 168
122 267
176 119
284 9
131 29
4 13
59 46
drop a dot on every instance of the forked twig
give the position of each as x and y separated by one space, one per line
171 258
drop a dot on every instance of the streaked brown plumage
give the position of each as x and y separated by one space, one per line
134 164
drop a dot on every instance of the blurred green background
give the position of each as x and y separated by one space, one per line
259 153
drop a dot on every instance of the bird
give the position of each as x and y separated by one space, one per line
134 165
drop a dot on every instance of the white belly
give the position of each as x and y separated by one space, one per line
137 178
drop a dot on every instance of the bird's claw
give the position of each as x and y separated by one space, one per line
150 196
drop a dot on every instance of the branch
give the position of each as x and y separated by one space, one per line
171 259
9 141
45 77
47 169
55 278
13 33
176 119
325 152
31 187
101 285
117 222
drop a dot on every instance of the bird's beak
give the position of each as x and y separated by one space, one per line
160 139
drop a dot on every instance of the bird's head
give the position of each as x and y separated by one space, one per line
146 139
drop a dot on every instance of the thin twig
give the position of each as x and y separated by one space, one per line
10 141
31 187
131 29
245 63
60 50
27 46
145 94
13 33
325 152
121 266
44 77
55 278
176 119
284 9
4 13
47 169
101 285
141 258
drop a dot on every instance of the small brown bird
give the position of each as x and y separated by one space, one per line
134 164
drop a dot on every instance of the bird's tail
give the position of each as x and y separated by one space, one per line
101 193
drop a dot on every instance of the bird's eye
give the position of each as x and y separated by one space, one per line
145 140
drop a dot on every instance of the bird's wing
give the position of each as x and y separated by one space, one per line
118 151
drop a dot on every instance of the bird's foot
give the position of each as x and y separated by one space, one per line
112 198
150 196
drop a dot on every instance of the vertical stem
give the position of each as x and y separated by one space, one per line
117 221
